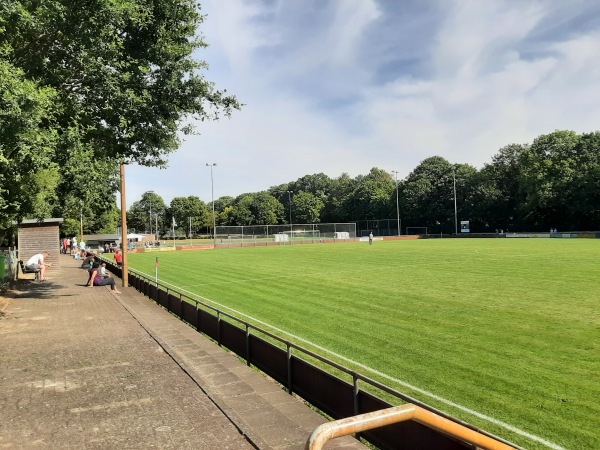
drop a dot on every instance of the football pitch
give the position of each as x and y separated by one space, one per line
501 333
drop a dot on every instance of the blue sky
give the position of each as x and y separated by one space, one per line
338 86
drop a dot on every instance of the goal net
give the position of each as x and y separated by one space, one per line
302 235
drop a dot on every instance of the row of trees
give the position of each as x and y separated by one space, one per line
85 86
553 182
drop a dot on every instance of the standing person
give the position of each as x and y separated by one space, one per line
74 243
371 238
118 258
82 245
37 262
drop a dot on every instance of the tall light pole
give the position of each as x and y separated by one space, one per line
81 221
291 225
455 210
395 172
212 196
150 214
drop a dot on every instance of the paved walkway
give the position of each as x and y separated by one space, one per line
85 368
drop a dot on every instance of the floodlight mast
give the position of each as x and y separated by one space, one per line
212 195
395 172
455 210
150 214
291 224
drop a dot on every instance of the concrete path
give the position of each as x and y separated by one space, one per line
85 368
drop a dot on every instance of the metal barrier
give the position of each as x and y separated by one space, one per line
397 414
288 365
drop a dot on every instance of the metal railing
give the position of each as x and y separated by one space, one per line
397 414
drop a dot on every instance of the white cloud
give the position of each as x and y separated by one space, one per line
336 87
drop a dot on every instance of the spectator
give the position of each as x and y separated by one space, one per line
82 245
106 248
371 238
37 262
97 280
74 243
118 258
87 261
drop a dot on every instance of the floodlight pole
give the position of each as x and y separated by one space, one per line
291 225
212 195
150 197
395 172
156 227
81 221
455 210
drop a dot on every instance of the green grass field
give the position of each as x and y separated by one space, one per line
507 329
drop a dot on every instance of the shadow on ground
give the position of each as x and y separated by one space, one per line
21 289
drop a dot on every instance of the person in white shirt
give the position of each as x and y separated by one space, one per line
37 262
82 245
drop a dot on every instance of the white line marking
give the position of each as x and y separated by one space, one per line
381 374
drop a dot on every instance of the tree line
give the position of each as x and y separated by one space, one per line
553 182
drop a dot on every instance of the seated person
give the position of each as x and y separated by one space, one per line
36 262
103 272
87 261
97 280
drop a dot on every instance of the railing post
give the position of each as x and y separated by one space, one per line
289 367
197 317
355 392
247 345
219 328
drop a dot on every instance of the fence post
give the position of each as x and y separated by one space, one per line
247 345
219 327
289 367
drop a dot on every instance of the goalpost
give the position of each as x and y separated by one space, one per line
421 231
303 235
231 235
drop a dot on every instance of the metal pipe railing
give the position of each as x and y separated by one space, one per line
377 419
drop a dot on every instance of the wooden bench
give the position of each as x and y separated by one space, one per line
25 270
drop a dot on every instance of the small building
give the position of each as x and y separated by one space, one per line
38 237
97 241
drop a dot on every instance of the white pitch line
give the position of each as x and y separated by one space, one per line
505 425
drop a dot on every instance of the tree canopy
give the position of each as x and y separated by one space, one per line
90 84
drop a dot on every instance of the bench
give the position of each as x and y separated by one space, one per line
25 270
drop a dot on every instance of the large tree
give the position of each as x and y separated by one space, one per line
148 213
190 212
123 74
27 144
550 165
427 196
370 198
307 208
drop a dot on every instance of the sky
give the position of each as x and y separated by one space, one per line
341 86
